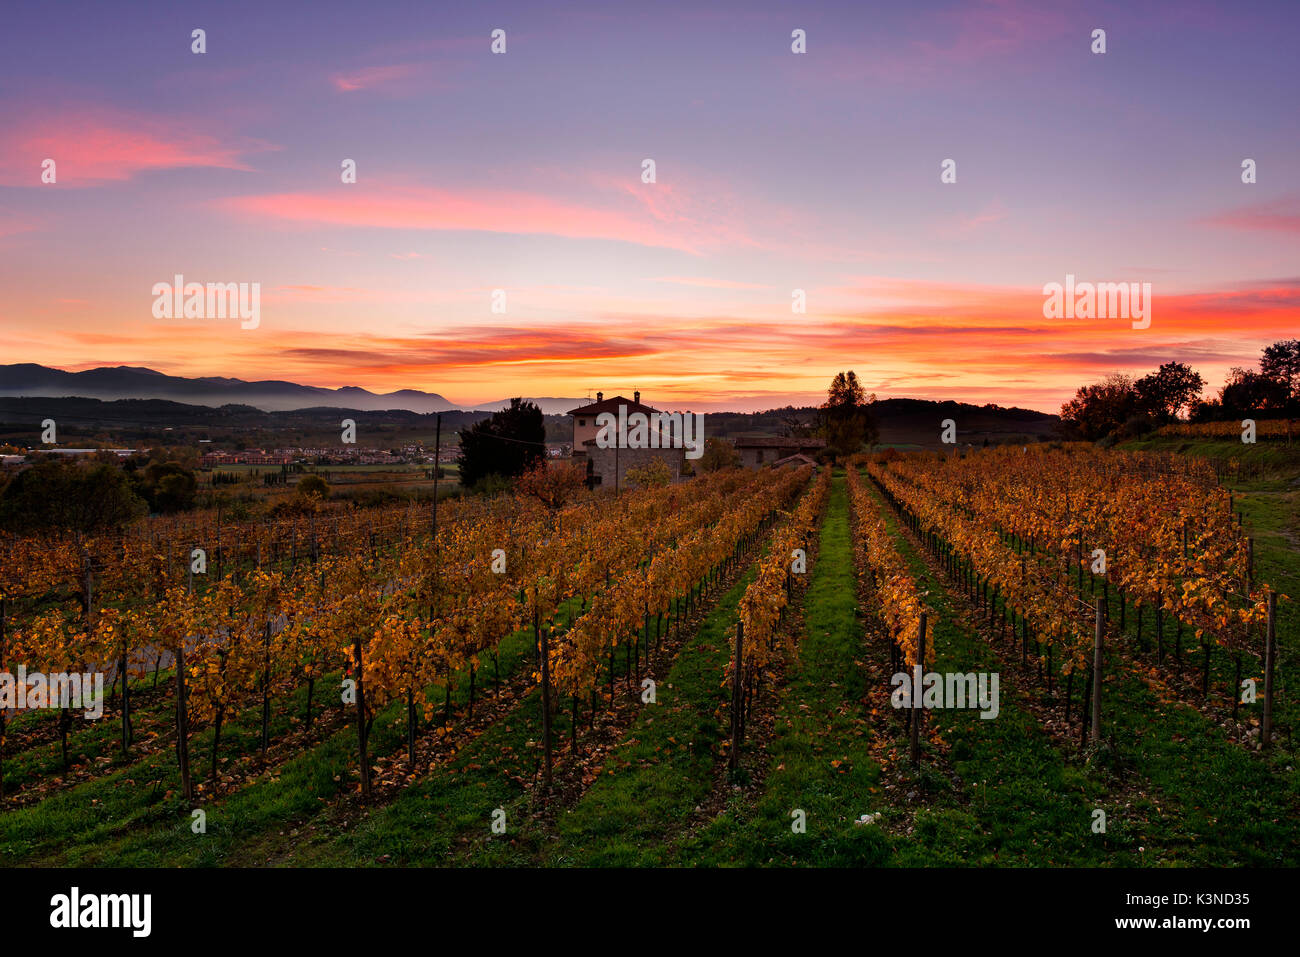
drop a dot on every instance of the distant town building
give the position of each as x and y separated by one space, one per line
120 453
249 457
756 451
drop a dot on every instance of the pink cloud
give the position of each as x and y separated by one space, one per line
89 147
494 211
374 77
947 42
1276 215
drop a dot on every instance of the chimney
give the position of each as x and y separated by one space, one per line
636 397
600 397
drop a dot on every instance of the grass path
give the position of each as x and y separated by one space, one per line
664 767
819 756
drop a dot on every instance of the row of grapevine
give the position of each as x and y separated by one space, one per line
977 553
52 564
1012 525
901 602
1265 430
698 549
401 618
1166 539
762 608
395 619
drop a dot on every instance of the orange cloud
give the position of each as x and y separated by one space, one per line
903 337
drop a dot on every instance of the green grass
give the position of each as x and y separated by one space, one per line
666 763
89 741
820 719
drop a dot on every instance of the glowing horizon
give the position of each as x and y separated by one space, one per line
775 172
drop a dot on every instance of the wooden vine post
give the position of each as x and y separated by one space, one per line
542 640
3 611
182 705
737 652
1270 659
916 700
1096 670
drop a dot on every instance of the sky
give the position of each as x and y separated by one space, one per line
775 171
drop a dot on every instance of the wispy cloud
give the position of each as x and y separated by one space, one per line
393 76
666 223
1274 215
92 146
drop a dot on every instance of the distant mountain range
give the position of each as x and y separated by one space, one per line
110 383
145 397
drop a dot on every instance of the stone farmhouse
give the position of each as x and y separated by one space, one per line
756 451
608 468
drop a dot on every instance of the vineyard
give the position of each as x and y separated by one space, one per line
697 673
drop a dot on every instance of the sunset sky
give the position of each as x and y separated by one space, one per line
775 172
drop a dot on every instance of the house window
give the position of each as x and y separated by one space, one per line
582 421
759 459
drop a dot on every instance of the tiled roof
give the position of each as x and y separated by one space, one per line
611 405
796 459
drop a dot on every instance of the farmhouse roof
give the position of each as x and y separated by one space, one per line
611 405
797 459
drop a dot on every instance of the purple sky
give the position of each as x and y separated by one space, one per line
775 172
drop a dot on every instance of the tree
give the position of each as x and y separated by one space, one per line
1281 361
1099 409
793 425
69 496
1205 410
847 420
312 485
1167 391
1248 392
166 486
508 444
654 474
719 454
184 455
553 486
